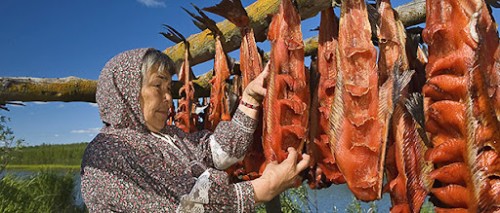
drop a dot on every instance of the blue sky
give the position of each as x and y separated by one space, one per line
56 39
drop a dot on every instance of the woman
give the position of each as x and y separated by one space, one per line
136 163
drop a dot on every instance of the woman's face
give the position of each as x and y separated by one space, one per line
156 99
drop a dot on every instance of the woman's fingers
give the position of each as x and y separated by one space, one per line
261 91
292 155
258 83
264 72
274 162
304 163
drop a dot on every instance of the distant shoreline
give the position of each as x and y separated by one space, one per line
38 167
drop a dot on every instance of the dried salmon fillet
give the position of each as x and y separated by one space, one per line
183 118
460 113
219 109
356 126
250 67
322 170
286 104
219 105
405 166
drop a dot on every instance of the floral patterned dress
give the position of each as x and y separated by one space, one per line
126 168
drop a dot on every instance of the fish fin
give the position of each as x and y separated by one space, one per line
388 101
401 80
415 106
493 3
373 17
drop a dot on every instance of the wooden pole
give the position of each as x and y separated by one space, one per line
71 89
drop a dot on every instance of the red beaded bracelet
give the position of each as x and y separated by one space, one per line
251 106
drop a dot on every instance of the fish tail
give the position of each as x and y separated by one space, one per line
232 10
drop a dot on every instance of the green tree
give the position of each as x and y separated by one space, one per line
8 143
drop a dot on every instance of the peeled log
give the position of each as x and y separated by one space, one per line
47 89
70 89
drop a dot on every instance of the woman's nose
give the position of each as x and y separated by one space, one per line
167 97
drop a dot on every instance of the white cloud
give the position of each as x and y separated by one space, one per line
86 131
93 104
40 102
56 135
152 3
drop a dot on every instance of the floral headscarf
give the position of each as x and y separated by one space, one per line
118 91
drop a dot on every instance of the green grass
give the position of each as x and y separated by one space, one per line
45 191
35 167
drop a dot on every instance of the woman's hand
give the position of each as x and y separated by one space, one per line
279 177
254 92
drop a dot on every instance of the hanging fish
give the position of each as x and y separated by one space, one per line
250 67
219 105
323 171
184 117
460 116
406 169
355 119
286 104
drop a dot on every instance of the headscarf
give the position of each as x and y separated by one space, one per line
118 91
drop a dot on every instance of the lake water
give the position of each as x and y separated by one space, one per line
339 197
335 198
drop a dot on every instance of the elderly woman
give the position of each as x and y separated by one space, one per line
137 163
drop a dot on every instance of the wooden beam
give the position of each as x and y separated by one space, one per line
47 89
412 13
70 89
